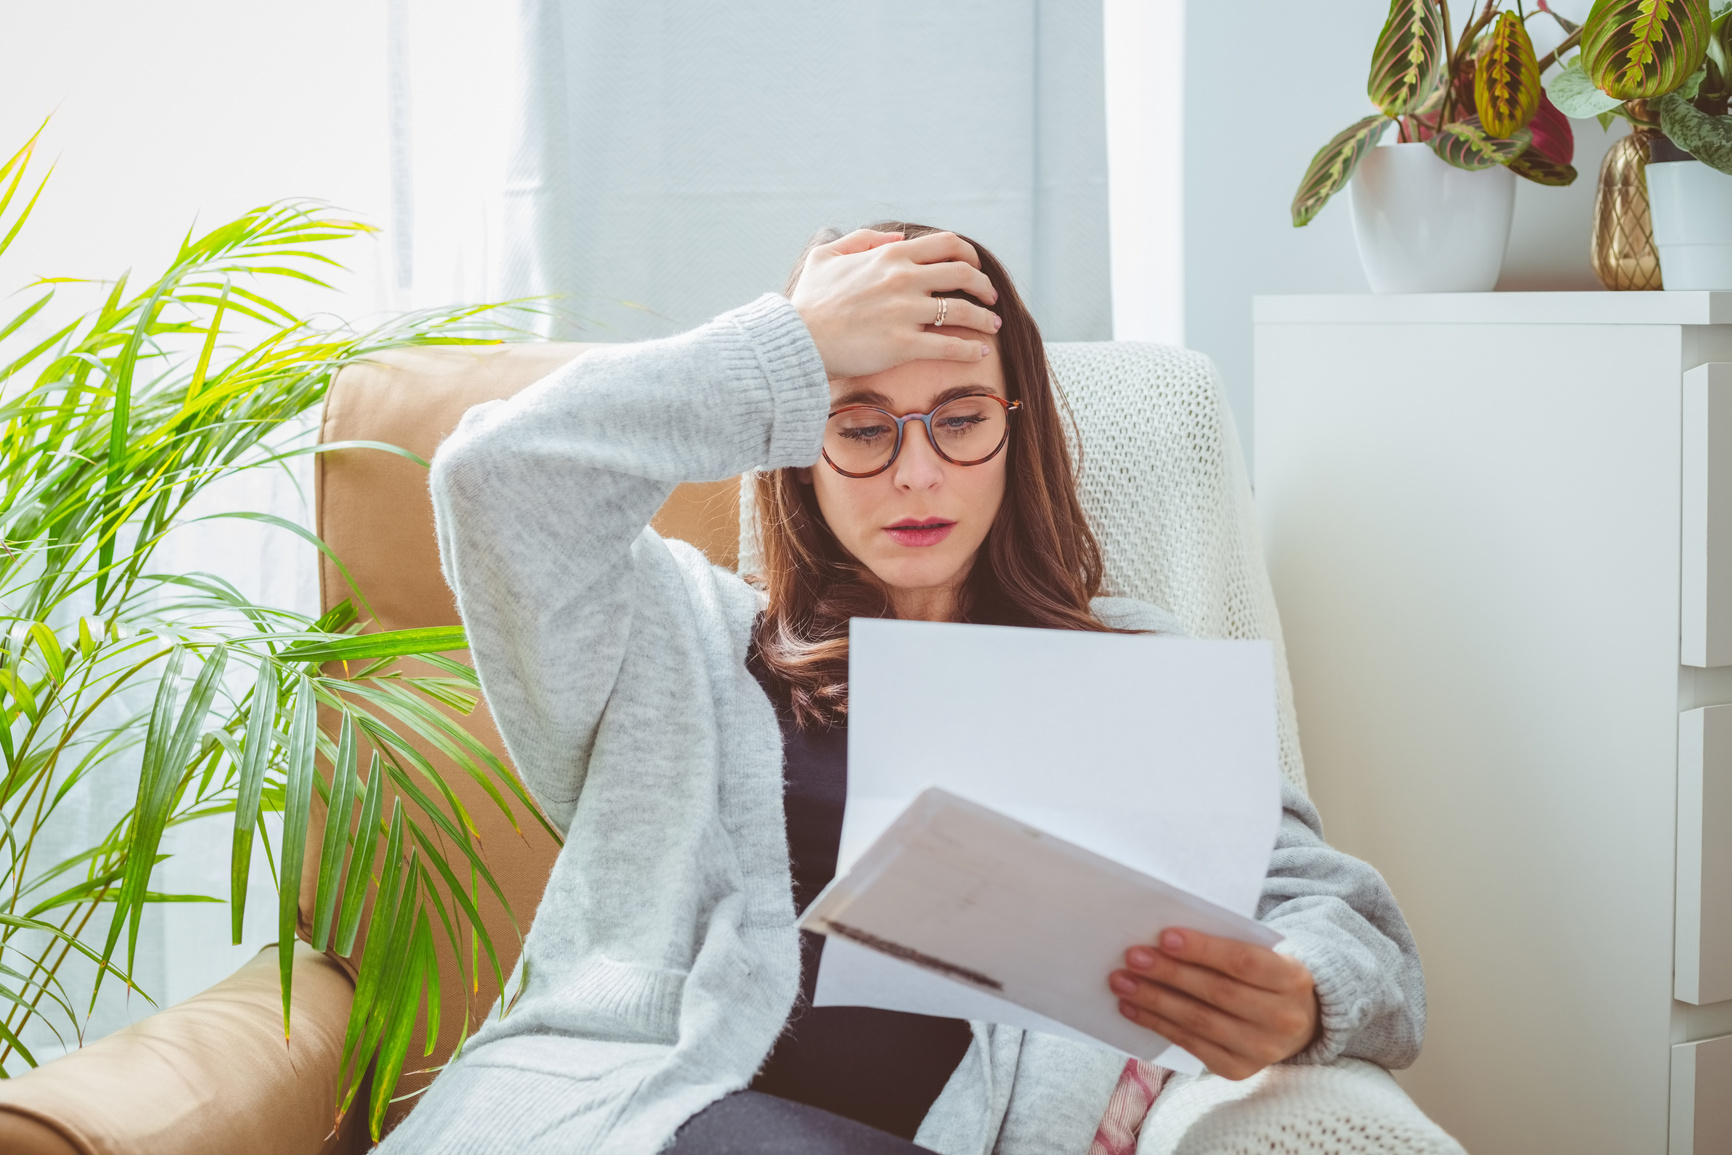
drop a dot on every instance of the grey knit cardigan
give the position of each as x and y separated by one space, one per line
663 960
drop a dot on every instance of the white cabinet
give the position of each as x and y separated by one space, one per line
1705 623
1500 532
1702 972
1701 1108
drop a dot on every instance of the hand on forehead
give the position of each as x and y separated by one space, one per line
869 301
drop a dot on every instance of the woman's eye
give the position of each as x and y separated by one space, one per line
866 432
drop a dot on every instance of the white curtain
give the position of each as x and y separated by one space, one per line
673 158
451 78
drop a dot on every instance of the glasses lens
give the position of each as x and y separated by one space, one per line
860 440
969 429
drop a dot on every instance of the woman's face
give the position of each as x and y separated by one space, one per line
918 524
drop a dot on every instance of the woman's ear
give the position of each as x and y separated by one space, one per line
803 474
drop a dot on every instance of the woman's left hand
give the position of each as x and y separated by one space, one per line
1236 1007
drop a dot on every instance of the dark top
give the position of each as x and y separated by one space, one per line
882 1068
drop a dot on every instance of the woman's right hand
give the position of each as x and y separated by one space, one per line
867 301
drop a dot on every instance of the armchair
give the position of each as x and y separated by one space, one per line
1164 484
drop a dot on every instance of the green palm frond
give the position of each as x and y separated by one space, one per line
202 702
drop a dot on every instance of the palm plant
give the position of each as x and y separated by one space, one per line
112 421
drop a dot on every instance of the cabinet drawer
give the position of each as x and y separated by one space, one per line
1705 605
1702 970
1701 1097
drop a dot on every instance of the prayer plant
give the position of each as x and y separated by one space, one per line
1664 64
1661 64
199 700
1476 98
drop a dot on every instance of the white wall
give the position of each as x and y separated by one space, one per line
1267 83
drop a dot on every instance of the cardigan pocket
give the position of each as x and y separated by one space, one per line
639 1003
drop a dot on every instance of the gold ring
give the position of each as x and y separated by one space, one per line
943 308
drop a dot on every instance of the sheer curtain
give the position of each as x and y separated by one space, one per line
672 159
452 94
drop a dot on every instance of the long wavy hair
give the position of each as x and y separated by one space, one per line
1039 565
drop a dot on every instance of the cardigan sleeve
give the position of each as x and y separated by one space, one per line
542 503
1342 922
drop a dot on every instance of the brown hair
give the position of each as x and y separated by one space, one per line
1038 566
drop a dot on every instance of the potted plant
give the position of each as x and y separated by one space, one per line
1431 211
201 702
1666 67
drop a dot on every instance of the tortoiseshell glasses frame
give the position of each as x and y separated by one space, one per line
924 419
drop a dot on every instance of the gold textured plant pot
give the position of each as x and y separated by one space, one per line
1623 252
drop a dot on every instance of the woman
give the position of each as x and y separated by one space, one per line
899 398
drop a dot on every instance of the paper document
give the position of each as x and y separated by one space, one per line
1011 913
1156 753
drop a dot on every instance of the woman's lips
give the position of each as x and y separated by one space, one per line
920 533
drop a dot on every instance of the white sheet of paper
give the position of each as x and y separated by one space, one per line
1158 753
1003 922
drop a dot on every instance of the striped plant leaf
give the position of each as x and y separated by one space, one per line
1707 138
1640 49
1466 144
1554 139
1333 167
1506 77
1408 58
1543 170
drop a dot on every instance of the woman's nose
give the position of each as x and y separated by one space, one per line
918 466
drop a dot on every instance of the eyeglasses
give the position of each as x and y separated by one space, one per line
863 440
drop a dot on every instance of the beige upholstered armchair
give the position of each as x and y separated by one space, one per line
1164 484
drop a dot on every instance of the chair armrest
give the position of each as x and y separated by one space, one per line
208 1076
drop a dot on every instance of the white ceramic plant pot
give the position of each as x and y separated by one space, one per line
1424 226
1690 206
